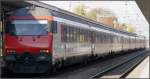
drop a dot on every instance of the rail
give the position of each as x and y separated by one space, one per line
141 57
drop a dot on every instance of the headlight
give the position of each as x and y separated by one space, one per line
10 58
41 58
44 50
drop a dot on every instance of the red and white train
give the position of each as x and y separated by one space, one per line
38 38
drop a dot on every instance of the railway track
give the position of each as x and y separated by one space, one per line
99 69
123 68
93 70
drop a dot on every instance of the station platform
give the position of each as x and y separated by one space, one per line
141 71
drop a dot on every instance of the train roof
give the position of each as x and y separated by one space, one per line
74 17
64 14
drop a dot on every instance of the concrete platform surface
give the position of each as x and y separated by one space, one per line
141 71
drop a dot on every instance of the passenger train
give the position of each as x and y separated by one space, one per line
38 38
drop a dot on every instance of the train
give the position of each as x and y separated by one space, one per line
39 38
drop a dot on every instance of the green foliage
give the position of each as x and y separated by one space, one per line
80 9
130 29
92 14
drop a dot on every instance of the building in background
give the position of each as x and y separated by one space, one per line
126 12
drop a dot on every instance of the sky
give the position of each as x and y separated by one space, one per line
126 12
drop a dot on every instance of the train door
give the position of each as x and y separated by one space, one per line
92 42
57 44
1 30
3 20
1 38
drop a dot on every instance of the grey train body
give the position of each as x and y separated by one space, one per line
78 39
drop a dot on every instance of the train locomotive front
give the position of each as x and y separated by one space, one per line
28 40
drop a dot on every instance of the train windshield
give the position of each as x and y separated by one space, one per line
29 27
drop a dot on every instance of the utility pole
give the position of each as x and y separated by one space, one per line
69 5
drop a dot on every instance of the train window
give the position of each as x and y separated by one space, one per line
111 38
100 37
85 36
6 29
0 26
92 37
121 39
96 37
29 27
99 40
81 35
54 26
118 39
73 34
62 32
69 33
107 38
103 37
78 34
89 36
104 40
65 33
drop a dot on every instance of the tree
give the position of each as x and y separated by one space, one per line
127 27
130 29
92 14
80 9
124 26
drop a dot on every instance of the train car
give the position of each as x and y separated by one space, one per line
38 38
